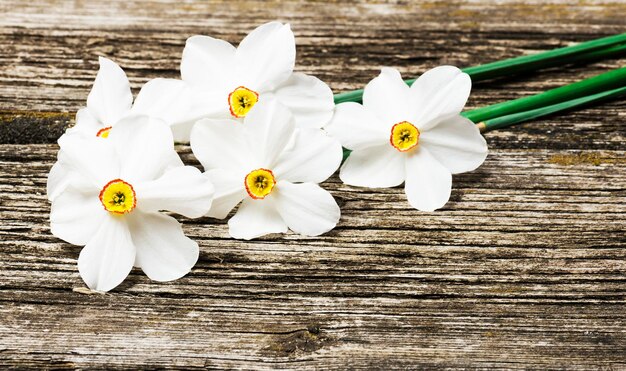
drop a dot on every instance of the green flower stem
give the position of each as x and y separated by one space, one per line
606 81
517 118
346 153
612 46
598 48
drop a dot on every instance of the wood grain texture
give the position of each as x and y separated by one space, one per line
525 267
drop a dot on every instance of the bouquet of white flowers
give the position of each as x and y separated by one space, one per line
266 137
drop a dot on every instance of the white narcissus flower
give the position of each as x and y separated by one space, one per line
273 167
113 201
221 81
109 101
411 134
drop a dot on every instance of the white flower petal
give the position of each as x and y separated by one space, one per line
229 191
76 215
256 218
182 131
308 98
386 96
86 124
221 144
62 176
266 57
456 143
164 253
183 190
167 99
108 257
313 157
59 178
110 98
428 183
179 104
269 128
357 128
207 61
93 158
145 147
438 93
374 167
306 208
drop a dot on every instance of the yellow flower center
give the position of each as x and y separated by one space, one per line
241 101
118 197
404 136
259 183
104 132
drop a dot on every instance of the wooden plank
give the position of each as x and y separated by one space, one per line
517 270
49 59
523 268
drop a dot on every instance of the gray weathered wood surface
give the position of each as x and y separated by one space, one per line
524 268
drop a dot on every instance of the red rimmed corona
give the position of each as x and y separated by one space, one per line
241 100
259 183
104 132
118 197
404 136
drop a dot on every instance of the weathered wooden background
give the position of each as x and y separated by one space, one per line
524 268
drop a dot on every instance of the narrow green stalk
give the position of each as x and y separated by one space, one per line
346 153
606 81
540 60
517 118
606 47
